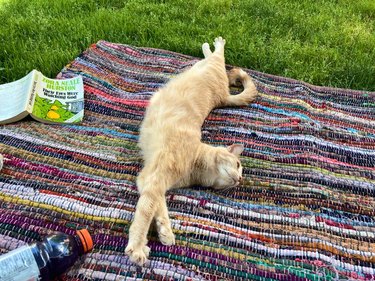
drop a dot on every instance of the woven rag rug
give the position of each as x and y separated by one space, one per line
304 212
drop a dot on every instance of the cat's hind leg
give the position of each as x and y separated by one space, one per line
206 50
219 47
219 50
236 77
219 44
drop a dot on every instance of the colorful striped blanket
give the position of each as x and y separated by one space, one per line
304 212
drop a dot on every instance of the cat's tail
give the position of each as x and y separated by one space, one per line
238 77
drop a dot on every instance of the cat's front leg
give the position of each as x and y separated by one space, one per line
137 249
163 225
152 185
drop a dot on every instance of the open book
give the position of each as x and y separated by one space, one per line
46 100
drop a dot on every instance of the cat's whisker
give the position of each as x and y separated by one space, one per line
226 189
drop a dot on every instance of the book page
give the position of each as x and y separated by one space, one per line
14 98
59 101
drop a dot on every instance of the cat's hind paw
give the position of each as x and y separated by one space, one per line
206 50
219 41
137 255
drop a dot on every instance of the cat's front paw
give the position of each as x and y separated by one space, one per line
166 236
165 232
137 255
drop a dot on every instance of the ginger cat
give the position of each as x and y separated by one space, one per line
170 140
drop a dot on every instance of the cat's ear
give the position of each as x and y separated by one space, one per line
236 149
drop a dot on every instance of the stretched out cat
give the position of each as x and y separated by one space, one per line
170 140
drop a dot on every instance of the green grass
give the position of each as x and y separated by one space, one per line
323 42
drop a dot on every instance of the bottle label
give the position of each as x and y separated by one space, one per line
19 265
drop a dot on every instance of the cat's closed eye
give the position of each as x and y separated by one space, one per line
238 164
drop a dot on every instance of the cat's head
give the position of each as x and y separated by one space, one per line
226 171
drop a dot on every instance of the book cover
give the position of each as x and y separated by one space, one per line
59 101
46 100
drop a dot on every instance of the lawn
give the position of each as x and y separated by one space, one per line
323 42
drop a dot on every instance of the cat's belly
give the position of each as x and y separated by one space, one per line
177 139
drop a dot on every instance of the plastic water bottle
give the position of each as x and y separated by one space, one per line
45 260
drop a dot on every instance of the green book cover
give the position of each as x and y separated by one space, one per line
46 100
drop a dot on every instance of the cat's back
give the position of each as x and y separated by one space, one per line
187 98
171 116
177 111
184 99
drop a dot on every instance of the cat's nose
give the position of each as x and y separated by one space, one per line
240 179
